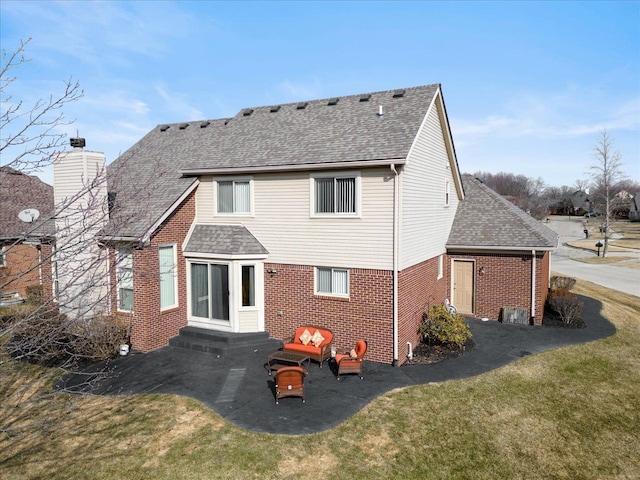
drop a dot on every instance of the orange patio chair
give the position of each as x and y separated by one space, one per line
352 362
290 382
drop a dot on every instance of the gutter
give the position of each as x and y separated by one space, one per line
396 239
195 172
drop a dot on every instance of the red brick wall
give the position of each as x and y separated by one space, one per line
507 282
368 312
150 327
418 289
21 269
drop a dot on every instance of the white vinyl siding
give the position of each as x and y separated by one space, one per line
168 276
332 281
284 223
426 221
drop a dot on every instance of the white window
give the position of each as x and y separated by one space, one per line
124 278
447 192
332 281
234 196
168 276
210 291
248 285
335 194
440 266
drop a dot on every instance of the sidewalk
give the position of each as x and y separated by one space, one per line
242 392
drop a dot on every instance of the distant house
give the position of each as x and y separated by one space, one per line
346 212
26 204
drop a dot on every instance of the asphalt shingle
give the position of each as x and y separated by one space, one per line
486 219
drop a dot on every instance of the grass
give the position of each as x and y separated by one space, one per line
567 413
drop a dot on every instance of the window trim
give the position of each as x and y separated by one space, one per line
440 266
241 306
176 303
355 174
332 293
119 268
234 180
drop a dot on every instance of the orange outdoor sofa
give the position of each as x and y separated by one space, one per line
312 341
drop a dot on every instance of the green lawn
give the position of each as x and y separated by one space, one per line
568 413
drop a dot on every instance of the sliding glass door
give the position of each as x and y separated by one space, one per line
210 291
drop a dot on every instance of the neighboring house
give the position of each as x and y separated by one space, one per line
26 204
348 212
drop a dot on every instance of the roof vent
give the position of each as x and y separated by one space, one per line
205 124
226 122
77 142
333 101
275 108
365 98
247 111
164 128
184 126
398 93
301 105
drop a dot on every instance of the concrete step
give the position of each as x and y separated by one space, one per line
223 343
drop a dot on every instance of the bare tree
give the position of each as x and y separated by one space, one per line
30 133
606 174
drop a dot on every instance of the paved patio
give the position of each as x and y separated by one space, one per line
241 391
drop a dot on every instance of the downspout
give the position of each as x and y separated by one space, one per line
533 286
396 222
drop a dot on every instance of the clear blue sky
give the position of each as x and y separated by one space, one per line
528 85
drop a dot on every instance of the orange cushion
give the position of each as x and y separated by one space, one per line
298 347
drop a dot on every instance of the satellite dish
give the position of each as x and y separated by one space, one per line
29 215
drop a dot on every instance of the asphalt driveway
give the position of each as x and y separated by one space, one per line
242 392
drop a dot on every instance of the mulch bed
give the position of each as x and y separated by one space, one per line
425 354
551 319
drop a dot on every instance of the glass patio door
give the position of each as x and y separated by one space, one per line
210 291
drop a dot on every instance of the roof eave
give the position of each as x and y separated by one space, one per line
196 172
501 248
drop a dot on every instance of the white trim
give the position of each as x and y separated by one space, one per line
246 178
356 174
472 248
440 266
174 247
332 293
119 257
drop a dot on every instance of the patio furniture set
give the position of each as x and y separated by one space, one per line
290 365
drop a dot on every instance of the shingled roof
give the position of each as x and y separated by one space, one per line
486 220
147 179
224 240
19 191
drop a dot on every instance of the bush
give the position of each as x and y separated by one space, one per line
564 283
443 328
566 305
49 339
99 338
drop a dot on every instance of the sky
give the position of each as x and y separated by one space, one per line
528 86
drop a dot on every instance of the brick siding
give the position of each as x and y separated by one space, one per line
21 269
367 314
507 282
